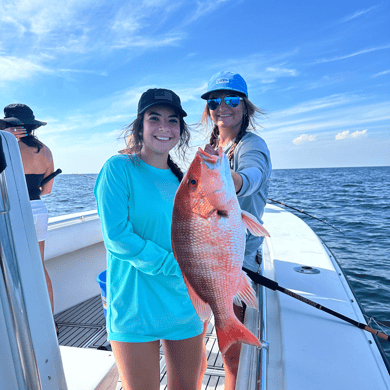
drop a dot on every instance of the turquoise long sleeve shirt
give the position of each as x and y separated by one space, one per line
146 295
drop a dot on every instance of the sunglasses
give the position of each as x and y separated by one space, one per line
231 101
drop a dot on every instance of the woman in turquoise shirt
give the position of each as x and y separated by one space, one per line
147 300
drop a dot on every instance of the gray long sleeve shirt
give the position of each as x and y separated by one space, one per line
252 161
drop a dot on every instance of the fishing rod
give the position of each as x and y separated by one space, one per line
259 279
301 211
51 176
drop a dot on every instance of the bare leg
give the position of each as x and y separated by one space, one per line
204 357
138 364
232 356
47 277
184 362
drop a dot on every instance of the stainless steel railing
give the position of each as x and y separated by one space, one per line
263 358
252 371
15 314
248 369
70 219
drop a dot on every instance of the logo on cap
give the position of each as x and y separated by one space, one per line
222 81
164 95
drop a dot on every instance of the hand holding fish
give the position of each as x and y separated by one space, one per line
208 240
237 179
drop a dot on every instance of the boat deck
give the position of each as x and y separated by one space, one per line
83 326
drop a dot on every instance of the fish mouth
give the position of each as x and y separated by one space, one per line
213 161
208 158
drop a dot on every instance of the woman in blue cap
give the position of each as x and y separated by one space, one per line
232 118
147 300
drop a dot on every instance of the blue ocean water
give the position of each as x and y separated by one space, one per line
354 200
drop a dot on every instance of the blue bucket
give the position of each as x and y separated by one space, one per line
101 279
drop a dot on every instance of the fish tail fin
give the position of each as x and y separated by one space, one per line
246 292
234 332
253 225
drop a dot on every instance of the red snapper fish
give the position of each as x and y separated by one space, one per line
208 240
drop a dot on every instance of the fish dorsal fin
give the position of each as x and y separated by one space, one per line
253 225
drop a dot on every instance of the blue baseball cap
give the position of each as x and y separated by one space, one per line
226 81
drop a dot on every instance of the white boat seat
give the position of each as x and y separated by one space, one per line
89 369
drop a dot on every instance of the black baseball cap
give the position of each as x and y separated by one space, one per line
157 97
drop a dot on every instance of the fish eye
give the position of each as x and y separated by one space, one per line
192 182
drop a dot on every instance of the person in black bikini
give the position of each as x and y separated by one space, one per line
38 163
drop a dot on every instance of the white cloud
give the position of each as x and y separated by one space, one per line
57 34
263 67
359 13
12 68
147 42
381 73
203 8
282 71
358 133
345 134
304 138
342 135
364 51
42 17
85 26
83 71
316 105
336 113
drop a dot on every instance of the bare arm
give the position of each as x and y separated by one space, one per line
46 189
237 179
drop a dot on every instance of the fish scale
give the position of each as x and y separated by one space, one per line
208 240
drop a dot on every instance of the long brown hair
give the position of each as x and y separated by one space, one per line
249 122
31 139
133 135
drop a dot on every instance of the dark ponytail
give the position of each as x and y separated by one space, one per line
31 140
175 169
214 138
244 126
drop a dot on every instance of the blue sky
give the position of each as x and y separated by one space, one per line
321 71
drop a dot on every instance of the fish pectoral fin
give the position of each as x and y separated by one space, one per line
202 308
237 301
253 225
246 293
